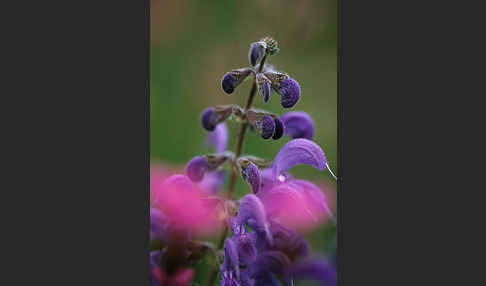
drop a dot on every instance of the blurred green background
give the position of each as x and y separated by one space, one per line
194 43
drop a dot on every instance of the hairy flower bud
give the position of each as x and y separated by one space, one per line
263 84
289 89
196 168
251 174
256 53
279 129
271 45
209 119
233 78
298 125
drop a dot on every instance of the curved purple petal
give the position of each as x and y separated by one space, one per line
289 89
320 270
266 126
279 129
298 124
298 151
251 208
219 138
252 176
196 168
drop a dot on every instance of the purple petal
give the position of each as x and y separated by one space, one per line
266 279
266 126
228 279
288 241
315 269
289 89
246 244
268 181
269 262
219 137
196 168
251 208
298 125
298 151
231 260
209 119
315 195
279 129
252 176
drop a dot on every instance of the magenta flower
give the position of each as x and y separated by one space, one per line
186 206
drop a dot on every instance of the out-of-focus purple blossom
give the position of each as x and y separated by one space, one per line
252 176
158 224
266 127
196 168
279 129
230 270
212 182
298 125
289 90
219 138
316 269
246 245
266 264
288 241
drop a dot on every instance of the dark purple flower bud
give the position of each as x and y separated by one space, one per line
251 174
251 208
266 126
279 129
233 78
196 168
219 138
298 125
289 89
257 50
298 151
263 86
320 270
209 119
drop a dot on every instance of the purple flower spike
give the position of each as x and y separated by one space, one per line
266 126
279 129
252 176
298 125
209 119
295 152
219 138
320 270
229 83
289 89
252 208
196 168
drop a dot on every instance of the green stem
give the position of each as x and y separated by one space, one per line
234 169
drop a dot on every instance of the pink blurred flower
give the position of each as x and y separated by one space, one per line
186 206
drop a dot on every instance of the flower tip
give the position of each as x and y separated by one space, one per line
228 83
256 53
208 117
252 176
196 168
